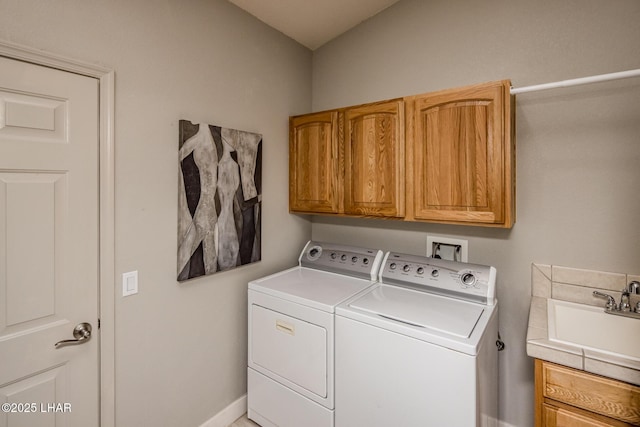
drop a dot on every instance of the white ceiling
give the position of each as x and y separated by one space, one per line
312 23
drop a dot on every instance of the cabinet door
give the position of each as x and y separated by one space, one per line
374 159
590 393
314 177
461 155
557 417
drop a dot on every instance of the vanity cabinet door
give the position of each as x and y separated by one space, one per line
374 159
460 155
314 174
570 397
558 417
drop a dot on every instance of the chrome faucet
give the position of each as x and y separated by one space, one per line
624 308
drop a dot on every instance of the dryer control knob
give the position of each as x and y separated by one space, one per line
354 259
392 266
420 270
435 273
343 257
314 253
406 268
468 279
334 255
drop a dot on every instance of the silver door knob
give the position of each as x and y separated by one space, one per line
81 333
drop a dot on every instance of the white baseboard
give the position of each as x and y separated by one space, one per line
229 414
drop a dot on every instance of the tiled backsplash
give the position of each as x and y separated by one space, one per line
577 285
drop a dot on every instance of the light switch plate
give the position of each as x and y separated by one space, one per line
447 249
129 283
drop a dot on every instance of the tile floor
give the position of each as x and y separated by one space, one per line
243 422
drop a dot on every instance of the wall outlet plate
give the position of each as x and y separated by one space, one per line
448 248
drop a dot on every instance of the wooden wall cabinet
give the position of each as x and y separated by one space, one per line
461 156
441 157
315 178
374 160
572 398
348 161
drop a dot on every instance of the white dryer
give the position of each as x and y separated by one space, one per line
291 334
419 349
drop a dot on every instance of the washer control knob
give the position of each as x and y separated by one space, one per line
392 266
406 268
334 255
343 257
420 270
365 261
354 259
435 273
468 279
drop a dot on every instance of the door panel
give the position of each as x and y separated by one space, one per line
314 179
32 116
30 217
48 244
374 159
461 155
33 398
456 161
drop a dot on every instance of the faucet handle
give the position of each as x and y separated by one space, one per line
624 301
634 287
611 302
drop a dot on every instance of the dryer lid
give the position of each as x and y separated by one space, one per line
314 288
421 309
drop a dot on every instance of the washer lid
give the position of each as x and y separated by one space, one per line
421 309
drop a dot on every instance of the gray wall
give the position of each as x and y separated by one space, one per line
180 348
578 149
578 152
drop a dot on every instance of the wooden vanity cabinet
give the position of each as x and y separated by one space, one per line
315 179
569 397
460 155
374 180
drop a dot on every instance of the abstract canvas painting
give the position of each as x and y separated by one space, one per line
220 199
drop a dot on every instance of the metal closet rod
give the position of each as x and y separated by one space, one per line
577 82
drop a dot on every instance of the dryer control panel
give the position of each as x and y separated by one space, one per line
342 259
461 280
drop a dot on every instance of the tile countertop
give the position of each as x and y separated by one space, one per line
575 285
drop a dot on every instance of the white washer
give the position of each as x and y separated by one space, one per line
419 348
291 334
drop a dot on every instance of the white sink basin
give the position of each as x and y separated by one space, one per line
590 327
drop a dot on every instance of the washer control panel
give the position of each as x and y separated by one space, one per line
342 259
461 280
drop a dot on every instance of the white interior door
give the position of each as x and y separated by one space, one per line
48 246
